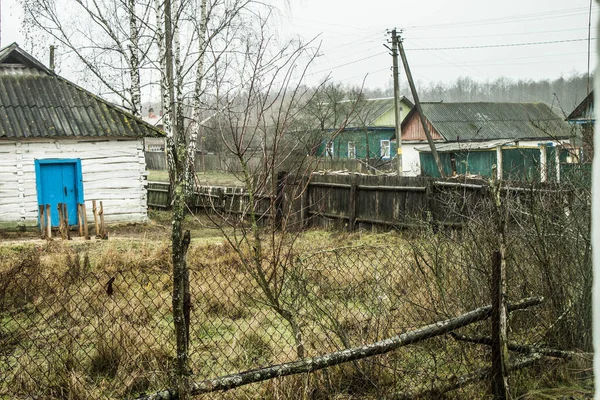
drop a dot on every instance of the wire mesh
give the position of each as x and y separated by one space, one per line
80 323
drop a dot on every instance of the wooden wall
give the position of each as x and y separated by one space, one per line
113 171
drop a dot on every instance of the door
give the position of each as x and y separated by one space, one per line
59 181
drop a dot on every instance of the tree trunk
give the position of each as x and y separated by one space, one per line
136 96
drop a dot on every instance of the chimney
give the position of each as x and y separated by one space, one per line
52 47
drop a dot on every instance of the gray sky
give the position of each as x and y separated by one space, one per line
352 34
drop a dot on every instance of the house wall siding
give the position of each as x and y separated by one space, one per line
388 118
413 130
340 144
113 171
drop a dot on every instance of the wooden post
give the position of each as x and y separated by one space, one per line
103 232
66 216
95 210
413 90
80 219
543 163
41 209
499 161
60 221
397 108
353 201
304 204
431 203
85 224
48 222
279 195
499 325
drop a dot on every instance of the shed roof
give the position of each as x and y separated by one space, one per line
582 111
36 102
491 121
464 146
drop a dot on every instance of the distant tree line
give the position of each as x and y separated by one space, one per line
563 94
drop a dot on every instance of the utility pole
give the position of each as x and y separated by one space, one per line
413 90
397 110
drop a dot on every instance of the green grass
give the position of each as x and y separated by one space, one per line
209 178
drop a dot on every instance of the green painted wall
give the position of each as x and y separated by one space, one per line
473 162
340 144
519 164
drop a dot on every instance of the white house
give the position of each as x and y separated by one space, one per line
62 144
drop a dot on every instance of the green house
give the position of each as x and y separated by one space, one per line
362 130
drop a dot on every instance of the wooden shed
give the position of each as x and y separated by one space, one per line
62 144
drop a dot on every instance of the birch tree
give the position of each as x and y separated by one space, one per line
110 40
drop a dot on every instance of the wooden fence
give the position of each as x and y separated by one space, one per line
229 164
348 201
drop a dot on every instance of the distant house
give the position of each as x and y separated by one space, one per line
62 144
154 144
363 130
582 117
472 137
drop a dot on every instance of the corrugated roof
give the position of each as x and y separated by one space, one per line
464 146
490 121
35 102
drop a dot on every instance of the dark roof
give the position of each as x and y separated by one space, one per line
582 111
491 121
35 102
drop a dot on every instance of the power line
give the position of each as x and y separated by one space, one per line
503 34
348 63
502 45
509 19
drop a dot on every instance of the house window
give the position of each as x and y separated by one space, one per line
351 150
385 149
329 149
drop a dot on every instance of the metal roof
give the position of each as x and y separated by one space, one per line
491 121
35 102
464 146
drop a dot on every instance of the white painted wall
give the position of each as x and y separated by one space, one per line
114 172
411 166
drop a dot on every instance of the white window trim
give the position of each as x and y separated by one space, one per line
329 149
352 145
387 154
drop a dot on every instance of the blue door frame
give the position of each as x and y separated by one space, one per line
59 181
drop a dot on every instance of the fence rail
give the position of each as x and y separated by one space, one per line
354 201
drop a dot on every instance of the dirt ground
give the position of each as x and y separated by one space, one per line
158 228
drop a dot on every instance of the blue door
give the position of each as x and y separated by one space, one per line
59 181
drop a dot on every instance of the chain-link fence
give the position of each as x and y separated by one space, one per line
76 322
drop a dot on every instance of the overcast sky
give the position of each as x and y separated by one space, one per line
352 34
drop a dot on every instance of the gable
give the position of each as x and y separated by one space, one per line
412 129
388 118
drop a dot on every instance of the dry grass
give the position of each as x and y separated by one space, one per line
63 335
